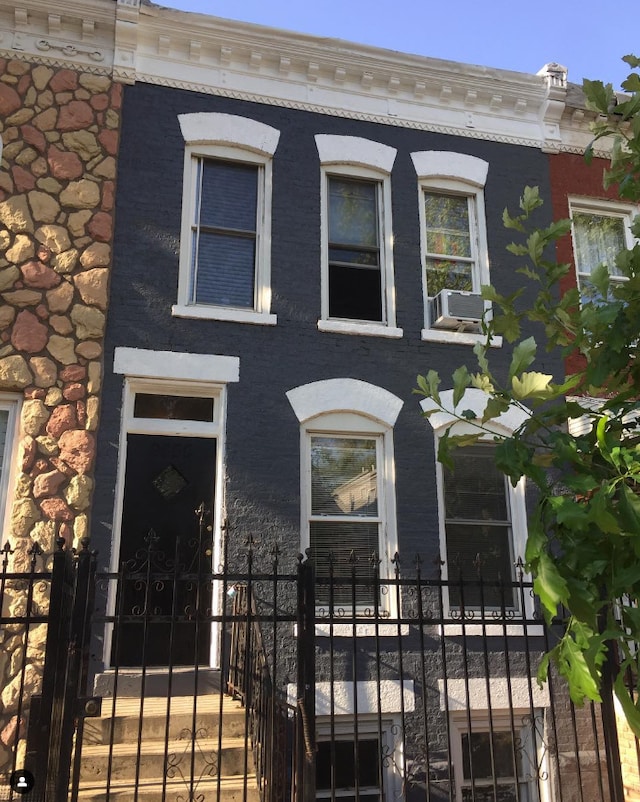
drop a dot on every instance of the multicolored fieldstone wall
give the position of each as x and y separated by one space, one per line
60 130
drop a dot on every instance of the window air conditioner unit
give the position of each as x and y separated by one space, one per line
454 309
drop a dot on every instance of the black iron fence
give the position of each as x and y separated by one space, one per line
278 682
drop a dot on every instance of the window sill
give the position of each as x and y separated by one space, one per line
224 313
457 337
366 629
512 629
363 329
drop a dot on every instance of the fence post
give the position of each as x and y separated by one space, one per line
610 726
43 754
306 685
79 705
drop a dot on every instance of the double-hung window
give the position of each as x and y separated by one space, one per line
600 231
225 249
346 511
483 520
357 241
347 491
500 757
455 262
451 256
355 285
478 529
224 233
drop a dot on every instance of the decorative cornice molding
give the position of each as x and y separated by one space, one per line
134 40
451 130
80 35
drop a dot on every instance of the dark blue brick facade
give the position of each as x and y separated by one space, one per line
262 433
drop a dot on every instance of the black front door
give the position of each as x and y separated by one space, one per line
165 551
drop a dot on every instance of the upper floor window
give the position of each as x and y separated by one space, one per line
454 243
225 254
601 230
357 240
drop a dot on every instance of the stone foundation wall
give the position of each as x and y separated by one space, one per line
60 130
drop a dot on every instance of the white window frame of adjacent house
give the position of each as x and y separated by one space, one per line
475 401
457 175
349 408
602 208
355 158
10 408
526 730
175 374
234 140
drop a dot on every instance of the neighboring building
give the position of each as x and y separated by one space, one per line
59 127
601 228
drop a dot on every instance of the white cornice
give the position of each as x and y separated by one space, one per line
151 44
74 33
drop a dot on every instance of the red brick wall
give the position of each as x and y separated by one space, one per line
571 175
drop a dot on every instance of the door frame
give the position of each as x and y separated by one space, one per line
199 375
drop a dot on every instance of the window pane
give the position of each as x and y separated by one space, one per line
172 407
476 754
4 420
447 222
336 766
229 195
225 270
343 476
444 275
344 551
353 213
598 239
476 489
480 550
354 293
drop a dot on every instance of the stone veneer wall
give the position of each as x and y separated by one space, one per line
60 130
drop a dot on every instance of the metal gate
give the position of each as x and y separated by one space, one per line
361 686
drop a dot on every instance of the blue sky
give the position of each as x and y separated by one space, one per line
510 35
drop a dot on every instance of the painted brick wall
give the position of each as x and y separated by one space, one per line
262 431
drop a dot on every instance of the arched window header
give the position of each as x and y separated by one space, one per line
213 128
344 395
476 401
450 165
355 150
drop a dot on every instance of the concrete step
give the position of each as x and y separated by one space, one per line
128 719
231 790
200 755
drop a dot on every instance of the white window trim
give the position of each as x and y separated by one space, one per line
353 408
505 424
13 405
172 373
388 728
240 139
515 721
605 208
454 174
355 157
